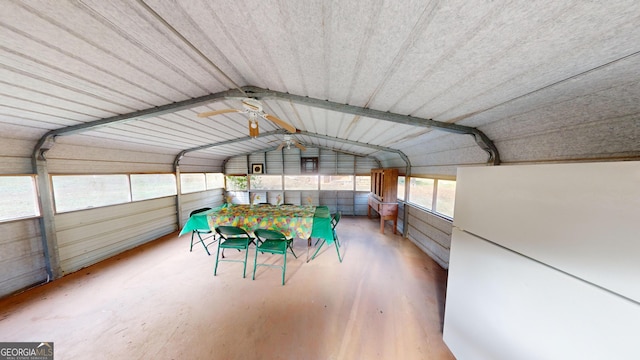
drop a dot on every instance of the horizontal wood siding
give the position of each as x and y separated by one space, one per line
346 164
329 199
293 197
199 200
236 165
361 202
74 159
430 233
89 236
15 156
345 202
274 164
291 159
364 165
401 208
22 261
328 162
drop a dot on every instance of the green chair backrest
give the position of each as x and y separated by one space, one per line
265 234
336 219
231 231
199 211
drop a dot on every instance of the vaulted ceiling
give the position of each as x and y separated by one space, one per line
436 83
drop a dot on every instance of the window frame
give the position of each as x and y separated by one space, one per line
129 190
35 196
434 200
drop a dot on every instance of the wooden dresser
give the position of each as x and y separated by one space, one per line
384 195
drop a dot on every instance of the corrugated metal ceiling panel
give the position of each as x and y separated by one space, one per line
521 72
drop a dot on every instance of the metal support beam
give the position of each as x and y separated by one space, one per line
314 146
481 139
47 223
179 157
404 157
46 142
50 136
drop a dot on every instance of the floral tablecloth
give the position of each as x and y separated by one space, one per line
292 220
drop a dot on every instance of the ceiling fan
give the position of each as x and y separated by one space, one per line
288 141
253 108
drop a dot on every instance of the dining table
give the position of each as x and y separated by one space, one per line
294 221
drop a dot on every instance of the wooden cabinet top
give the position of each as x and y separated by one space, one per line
384 184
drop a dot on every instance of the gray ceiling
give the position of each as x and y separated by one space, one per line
543 80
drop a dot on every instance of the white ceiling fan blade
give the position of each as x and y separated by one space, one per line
217 112
290 128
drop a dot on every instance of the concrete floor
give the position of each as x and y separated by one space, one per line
159 301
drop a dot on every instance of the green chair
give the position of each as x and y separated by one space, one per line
232 237
273 242
200 232
335 219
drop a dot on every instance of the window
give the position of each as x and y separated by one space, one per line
336 182
421 192
265 182
363 183
298 182
309 165
215 181
435 195
445 197
400 188
77 192
18 197
192 182
236 183
150 186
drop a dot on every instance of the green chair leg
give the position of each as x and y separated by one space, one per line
318 249
255 265
201 240
335 242
244 271
284 268
290 246
215 270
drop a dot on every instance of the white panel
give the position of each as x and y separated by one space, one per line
361 203
364 165
346 164
429 232
293 197
328 162
274 163
272 197
310 198
291 161
238 197
198 200
345 202
501 305
22 262
330 199
86 237
580 218
236 165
